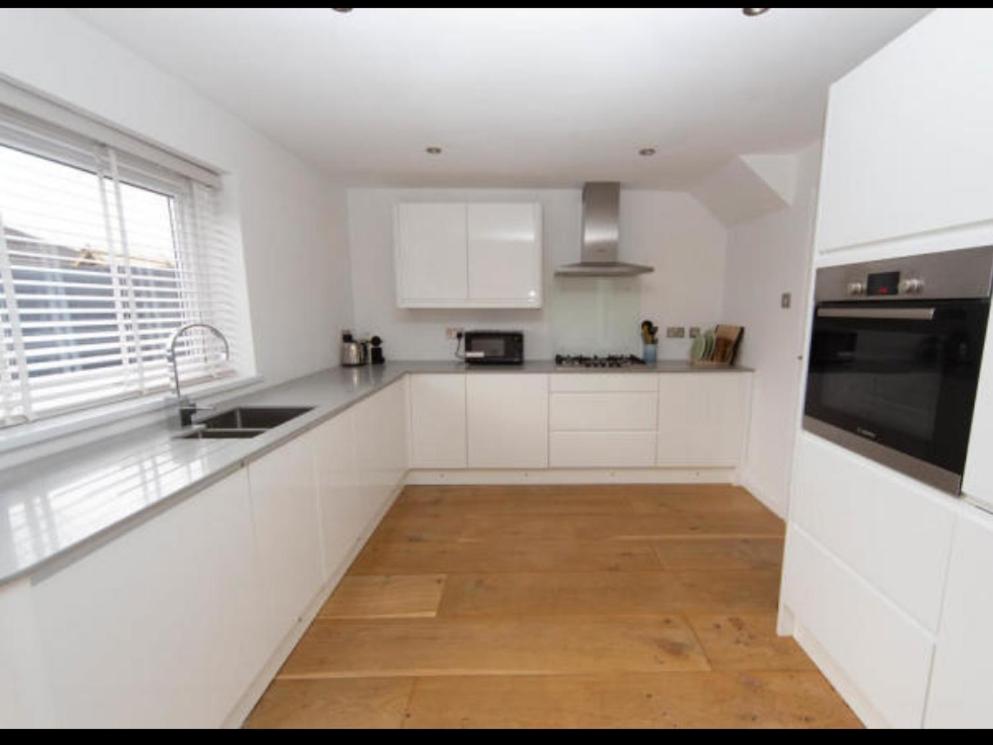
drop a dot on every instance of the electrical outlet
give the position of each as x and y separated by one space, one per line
675 332
452 332
694 332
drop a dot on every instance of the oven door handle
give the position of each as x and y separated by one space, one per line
900 314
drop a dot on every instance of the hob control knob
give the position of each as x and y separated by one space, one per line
856 288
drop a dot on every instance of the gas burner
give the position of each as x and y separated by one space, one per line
611 360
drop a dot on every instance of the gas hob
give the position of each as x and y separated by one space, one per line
609 361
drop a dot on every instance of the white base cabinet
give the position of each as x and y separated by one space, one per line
438 421
507 420
961 693
161 627
283 485
703 418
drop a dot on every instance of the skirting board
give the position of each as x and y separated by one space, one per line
250 698
575 476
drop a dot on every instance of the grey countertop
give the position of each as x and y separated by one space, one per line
56 508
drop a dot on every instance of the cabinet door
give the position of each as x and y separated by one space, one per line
961 692
343 518
284 506
702 418
907 142
160 627
507 420
505 254
431 255
438 421
381 439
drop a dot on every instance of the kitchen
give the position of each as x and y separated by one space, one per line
325 415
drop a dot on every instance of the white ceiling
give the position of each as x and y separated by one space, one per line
521 97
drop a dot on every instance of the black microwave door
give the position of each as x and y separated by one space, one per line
907 383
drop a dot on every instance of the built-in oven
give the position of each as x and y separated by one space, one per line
895 354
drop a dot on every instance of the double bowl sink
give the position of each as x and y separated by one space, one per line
243 422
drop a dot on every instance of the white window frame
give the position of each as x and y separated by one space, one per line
49 138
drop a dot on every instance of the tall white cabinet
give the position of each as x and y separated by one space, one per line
468 255
907 146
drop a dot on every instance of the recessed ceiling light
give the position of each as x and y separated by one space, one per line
343 10
433 150
754 11
647 151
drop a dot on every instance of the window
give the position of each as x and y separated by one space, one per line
103 255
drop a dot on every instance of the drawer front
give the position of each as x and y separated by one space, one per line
601 449
888 528
603 411
880 649
603 382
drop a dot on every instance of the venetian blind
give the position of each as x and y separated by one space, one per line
103 254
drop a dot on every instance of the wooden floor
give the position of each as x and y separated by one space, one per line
565 606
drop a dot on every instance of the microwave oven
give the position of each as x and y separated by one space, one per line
494 347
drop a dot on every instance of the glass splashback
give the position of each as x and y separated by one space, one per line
596 315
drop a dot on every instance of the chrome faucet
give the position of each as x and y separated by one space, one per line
186 407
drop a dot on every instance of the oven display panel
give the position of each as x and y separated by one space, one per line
883 283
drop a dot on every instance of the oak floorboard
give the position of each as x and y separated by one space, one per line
385 596
342 703
720 554
667 700
606 593
747 642
383 556
494 646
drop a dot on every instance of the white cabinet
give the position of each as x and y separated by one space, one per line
907 143
161 626
431 259
438 421
340 498
603 420
961 693
978 479
381 442
507 417
476 255
505 254
703 417
284 509
879 649
893 531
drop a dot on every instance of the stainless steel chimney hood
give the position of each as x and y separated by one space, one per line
601 232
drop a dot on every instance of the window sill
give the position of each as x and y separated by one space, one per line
45 431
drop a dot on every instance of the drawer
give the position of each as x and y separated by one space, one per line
602 382
601 450
891 530
878 647
602 411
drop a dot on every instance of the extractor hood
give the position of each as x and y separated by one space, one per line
601 231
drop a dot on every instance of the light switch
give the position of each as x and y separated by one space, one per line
785 300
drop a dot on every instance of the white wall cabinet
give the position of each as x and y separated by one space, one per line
703 418
438 421
431 257
507 420
961 693
283 486
468 255
161 627
907 143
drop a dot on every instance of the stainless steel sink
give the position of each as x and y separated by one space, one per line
243 422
